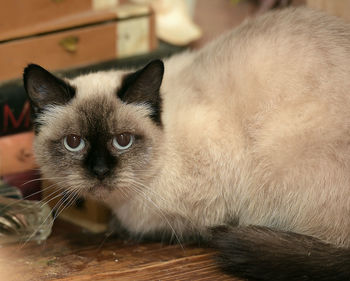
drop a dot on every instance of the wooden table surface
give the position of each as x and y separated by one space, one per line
71 254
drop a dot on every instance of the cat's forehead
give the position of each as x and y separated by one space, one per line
97 114
94 116
97 84
106 113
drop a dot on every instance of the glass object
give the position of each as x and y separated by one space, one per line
22 220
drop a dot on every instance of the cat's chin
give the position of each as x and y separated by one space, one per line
100 192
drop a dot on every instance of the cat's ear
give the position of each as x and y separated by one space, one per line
143 87
43 88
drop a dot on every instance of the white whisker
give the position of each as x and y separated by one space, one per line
183 214
160 212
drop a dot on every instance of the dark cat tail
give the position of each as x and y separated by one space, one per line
260 253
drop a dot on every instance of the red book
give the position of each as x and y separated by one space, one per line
14 109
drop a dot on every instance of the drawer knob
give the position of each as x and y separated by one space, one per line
70 44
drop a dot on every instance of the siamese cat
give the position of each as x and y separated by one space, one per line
245 142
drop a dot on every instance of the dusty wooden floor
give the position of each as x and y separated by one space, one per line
70 254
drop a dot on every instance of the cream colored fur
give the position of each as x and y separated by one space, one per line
256 127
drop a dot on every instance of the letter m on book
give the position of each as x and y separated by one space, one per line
11 123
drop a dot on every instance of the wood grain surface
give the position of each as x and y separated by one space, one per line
72 254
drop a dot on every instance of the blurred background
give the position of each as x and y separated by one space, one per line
78 36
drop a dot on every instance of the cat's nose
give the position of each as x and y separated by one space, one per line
100 171
99 162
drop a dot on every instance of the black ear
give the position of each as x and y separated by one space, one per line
45 89
143 86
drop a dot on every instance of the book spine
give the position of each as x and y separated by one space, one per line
14 110
16 153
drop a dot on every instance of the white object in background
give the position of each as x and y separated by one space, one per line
133 35
174 23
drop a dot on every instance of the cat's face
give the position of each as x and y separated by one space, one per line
99 132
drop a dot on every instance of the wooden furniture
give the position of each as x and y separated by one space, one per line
24 15
70 254
81 37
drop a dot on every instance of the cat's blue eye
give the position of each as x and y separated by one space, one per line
74 143
123 141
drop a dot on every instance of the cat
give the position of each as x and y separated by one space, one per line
245 142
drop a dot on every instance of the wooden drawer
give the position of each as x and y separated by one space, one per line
79 46
18 14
